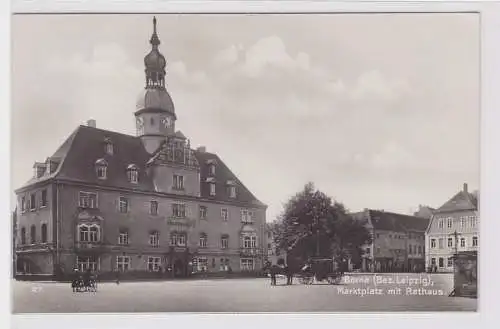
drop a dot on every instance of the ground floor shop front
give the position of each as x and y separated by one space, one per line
176 263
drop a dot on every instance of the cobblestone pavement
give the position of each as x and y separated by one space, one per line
363 293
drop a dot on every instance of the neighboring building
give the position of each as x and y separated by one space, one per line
453 228
273 252
398 242
14 235
424 212
146 203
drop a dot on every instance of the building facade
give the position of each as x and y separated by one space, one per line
273 252
453 228
398 242
147 204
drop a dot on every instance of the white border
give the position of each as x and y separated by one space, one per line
490 160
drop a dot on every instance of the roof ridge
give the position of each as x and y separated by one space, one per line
106 130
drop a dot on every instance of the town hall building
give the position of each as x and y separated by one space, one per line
139 205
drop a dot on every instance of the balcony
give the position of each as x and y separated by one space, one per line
249 252
181 221
88 246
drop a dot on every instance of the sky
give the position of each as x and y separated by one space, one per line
379 111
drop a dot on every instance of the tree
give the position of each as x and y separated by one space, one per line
312 225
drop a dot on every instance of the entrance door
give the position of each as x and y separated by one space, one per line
179 268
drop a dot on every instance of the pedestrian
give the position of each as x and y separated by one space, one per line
117 277
274 270
289 274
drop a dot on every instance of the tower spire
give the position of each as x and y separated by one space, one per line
155 62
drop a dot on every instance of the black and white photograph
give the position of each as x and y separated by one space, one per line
245 162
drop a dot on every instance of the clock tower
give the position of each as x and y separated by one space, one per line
155 112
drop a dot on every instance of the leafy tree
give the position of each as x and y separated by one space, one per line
312 225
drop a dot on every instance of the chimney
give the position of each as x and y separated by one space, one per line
91 123
465 188
201 149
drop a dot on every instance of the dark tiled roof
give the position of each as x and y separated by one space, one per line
388 221
86 145
461 201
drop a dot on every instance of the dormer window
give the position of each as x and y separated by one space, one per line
133 173
108 146
101 167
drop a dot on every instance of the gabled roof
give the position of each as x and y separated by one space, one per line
388 221
463 200
85 145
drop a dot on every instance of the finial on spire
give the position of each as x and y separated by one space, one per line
155 41
154 24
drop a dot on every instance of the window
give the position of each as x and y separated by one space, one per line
101 167
23 204
433 261
178 182
94 234
441 243
87 200
153 208
108 148
84 233
33 234
378 250
232 192
441 223
23 235
441 262
212 189
409 249
202 264
246 264
224 242
462 242
154 264
211 169
178 239
368 251
450 222
44 233
203 240
179 210
154 239
246 216
450 262
450 242
473 221
224 214
123 263
133 174
85 263
247 242
254 241
123 237
433 243
203 212
462 222
32 201
123 204
43 201
419 250
88 233
474 241
378 235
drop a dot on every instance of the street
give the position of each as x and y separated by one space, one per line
246 295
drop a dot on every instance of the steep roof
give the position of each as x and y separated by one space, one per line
388 221
463 200
86 145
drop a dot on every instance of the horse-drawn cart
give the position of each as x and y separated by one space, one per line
320 269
